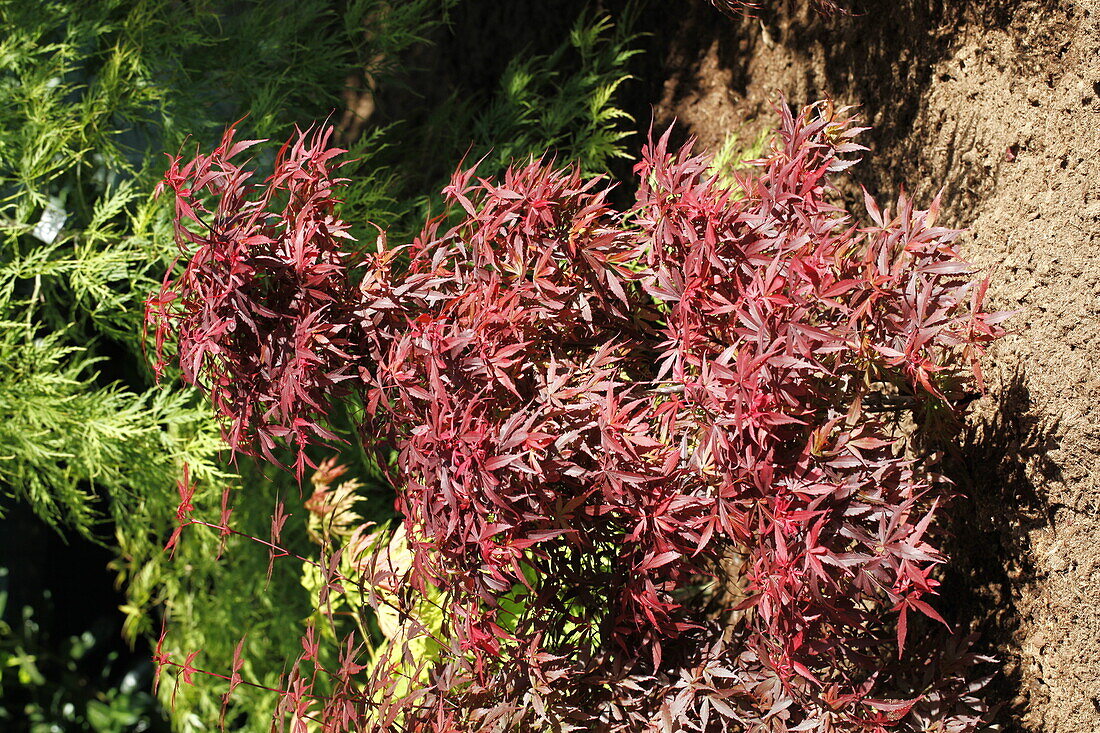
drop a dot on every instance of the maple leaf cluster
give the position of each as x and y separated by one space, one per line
603 416
260 313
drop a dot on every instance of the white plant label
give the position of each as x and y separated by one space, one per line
53 219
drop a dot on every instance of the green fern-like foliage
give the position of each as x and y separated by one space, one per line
562 105
736 154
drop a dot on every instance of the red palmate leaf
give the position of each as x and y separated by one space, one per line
188 669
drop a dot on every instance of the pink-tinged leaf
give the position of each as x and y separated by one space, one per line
188 668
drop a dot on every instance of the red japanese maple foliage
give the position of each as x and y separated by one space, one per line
599 414
261 310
